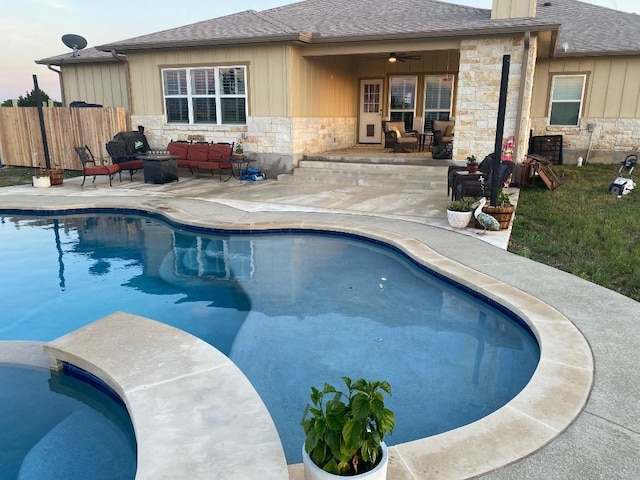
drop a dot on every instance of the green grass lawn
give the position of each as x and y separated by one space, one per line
582 229
22 175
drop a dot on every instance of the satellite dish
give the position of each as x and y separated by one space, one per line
74 42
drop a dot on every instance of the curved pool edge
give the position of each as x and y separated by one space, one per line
555 396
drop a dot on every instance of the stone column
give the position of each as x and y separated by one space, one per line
479 92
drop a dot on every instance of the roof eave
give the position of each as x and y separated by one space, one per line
72 60
123 48
606 53
489 31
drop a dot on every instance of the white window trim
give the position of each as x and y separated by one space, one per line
551 101
218 95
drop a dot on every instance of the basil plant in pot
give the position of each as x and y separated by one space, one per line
344 432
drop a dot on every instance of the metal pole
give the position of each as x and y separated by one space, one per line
497 150
45 145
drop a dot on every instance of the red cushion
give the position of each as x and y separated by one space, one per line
130 165
197 152
212 165
178 149
184 163
101 170
219 151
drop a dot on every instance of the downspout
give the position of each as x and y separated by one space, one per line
523 73
124 60
60 79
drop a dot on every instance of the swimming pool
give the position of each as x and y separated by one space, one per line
57 426
290 310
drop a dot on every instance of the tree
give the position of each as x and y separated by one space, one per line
30 100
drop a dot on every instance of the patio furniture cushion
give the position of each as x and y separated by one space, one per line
446 127
92 167
397 138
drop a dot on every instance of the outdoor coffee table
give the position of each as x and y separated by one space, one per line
159 168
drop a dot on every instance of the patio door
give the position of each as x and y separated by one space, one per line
370 121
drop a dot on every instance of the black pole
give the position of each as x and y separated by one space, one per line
45 145
497 150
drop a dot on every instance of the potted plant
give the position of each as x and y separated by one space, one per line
459 213
239 151
41 177
472 164
344 432
502 211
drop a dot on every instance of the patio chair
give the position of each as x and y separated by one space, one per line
91 168
454 180
476 188
120 156
397 138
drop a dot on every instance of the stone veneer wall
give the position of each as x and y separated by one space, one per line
276 143
613 138
479 93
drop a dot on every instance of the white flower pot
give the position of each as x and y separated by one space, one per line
459 219
41 182
314 472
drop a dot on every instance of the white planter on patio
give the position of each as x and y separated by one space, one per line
41 181
313 472
459 219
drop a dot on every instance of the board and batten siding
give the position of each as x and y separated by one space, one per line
104 83
612 85
268 81
322 86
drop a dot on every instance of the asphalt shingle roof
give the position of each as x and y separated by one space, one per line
591 29
586 29
89 55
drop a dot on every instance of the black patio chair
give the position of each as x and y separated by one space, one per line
91 167
120 156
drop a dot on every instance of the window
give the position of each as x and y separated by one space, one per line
566 99
403 101
438 92
213 95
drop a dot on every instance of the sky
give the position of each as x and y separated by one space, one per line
32 29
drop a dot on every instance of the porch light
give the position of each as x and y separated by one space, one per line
392 58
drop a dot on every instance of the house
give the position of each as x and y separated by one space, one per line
319 75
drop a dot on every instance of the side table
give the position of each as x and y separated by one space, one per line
422 141
239 165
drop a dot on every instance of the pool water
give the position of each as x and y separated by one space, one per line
56 427
291 310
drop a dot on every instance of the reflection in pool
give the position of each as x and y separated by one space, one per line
291 310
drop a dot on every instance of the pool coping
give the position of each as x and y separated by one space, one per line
551 401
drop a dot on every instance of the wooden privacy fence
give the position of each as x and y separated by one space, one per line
21 138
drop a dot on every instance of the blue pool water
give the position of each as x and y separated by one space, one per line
291 310
57 427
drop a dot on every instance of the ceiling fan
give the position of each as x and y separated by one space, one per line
401 57
396 57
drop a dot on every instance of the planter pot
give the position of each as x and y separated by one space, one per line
313 472
56 175
472 168
501 214
459 219
41 181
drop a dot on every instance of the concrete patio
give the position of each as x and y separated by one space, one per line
604 441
